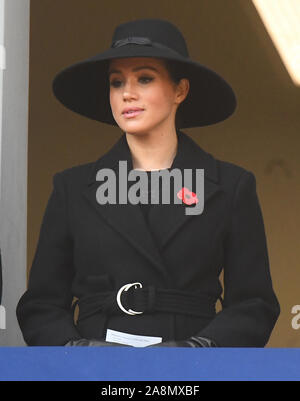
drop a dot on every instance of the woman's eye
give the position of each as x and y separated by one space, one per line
145 79
115 83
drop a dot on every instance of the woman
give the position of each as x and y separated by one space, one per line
148 274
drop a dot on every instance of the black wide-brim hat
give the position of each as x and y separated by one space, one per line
84 87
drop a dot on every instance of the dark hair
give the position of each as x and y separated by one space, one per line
176 72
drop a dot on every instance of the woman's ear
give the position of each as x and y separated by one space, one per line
182 90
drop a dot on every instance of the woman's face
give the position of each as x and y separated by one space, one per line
143 84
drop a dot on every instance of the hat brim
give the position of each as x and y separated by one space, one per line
84 87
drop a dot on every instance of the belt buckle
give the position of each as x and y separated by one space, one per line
126 288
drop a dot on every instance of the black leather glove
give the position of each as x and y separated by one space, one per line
192 342
83 342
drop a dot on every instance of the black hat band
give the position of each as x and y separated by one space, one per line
138 40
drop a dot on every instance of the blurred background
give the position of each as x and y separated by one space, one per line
232 38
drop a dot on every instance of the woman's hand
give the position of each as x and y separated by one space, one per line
181 343
192 342
83 342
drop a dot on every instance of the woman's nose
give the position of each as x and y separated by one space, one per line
129 91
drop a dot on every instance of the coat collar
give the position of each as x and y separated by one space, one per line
128 219
189 155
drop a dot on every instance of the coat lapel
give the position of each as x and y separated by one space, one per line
128 219
189 156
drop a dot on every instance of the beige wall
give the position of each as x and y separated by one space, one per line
262 135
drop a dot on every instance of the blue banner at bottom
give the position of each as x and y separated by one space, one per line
148 364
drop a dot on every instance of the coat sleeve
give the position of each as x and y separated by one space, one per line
250 307
44 310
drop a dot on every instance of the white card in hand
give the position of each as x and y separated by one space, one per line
131 339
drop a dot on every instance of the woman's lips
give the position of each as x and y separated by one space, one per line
132 114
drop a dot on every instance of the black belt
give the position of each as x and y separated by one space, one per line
146 300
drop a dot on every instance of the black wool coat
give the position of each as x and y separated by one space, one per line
89 251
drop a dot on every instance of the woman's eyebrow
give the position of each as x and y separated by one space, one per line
134 69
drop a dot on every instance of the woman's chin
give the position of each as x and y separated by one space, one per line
137 129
